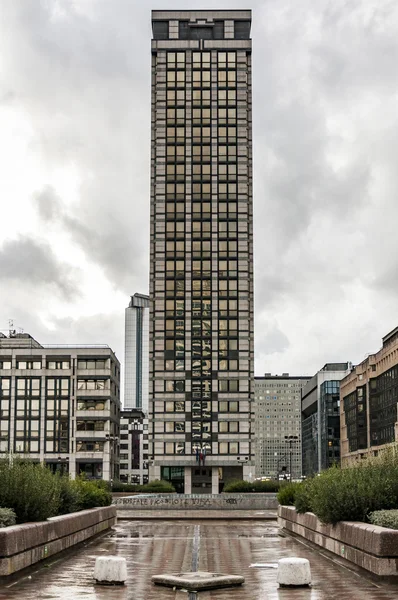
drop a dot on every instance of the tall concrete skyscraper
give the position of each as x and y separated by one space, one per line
136 353
201 274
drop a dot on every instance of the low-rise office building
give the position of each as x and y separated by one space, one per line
60 405
134 446
369 397
320 426
277 425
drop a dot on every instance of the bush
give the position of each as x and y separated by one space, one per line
7 517
119 486
287 493
240 486
303 496
91 493
30 489
158 486
69 496
385 518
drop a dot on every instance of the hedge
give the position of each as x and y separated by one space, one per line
34 493
240 486
385 518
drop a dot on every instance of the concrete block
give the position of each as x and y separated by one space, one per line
294 572
110 570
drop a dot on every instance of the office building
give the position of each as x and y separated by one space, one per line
201 260
277 410
320 427
136 356
133 446
60 405
369 400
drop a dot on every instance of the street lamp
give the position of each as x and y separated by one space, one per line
290 439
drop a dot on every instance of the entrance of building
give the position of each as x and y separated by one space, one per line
201 480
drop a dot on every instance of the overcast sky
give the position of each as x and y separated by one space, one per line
74 176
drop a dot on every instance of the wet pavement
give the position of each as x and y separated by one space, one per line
153 547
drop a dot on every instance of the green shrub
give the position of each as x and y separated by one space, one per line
287 493
158 486
30 489
91 493
351 494
240 486
69 496
119 486
303 496
385 518
7 517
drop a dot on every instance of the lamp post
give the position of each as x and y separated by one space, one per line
290 439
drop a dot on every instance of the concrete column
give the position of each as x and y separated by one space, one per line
214 480
248 472
154 472
187 480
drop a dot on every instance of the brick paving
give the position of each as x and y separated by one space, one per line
152 547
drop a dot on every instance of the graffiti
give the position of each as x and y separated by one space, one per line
198 502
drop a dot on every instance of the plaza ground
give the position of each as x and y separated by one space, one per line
230 546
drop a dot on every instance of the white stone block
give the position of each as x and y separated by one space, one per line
294 572
110 570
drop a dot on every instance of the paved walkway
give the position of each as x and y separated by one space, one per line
152 547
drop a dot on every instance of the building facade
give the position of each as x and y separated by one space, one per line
201 259
369 401
60 405
136 355
320 426
277 410
134 446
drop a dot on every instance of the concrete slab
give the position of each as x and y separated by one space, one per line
198 581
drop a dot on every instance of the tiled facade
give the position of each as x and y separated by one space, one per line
320 427
368 407
60 405
201 262
133 446
136 355
277 410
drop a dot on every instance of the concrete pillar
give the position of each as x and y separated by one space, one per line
248 472
214 480
187 480
154 472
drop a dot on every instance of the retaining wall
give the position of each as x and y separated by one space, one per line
24 545
368 546
198 501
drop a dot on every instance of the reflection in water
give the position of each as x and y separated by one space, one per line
153 547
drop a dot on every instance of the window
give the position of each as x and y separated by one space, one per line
93 384
29 364
228 448
90 405
90 425
174 448
5 364
57 386
28 386
228 426
93 364
174 426
174 407
176 386
228 385
84 446
58 364
231 406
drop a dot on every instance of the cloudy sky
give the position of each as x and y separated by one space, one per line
74 183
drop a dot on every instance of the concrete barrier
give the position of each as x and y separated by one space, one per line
370 547
24 545
197 502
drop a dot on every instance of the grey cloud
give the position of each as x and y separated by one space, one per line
33 262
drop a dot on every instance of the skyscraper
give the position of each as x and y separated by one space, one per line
201 273
136 353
